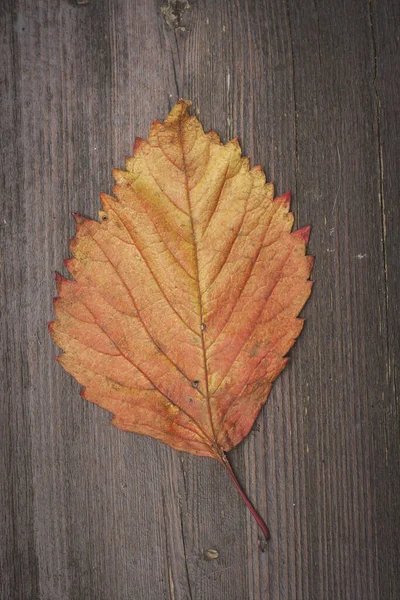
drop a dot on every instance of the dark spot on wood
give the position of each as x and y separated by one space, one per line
173 13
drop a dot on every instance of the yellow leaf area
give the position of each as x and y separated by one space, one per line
185 294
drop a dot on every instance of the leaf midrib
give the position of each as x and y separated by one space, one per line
197 273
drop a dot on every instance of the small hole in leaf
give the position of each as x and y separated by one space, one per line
104 218
195 383
203 326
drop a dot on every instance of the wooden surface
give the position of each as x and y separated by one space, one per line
312 89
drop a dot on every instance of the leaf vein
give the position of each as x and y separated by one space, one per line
149 379
224 180
247 279
277 280
156 280
142 320
163 191
234 238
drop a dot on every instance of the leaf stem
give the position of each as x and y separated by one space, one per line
260 521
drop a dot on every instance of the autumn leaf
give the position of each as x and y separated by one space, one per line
185 294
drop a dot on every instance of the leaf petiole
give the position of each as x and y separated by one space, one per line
260 521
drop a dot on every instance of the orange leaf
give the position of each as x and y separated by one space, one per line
185 295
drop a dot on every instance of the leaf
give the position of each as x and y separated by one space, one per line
186 293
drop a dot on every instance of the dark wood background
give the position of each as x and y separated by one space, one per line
88 512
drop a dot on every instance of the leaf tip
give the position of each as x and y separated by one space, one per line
69 262
178 112
284 200
107 203
139 142
79 219
311 260
59 282
278 370
303 234
185 103
235 142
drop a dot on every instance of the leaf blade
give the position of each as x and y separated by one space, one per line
194 283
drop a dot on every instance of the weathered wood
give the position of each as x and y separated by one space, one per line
89 512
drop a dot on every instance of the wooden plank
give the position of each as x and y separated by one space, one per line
385 475
18 557
337 171
91 512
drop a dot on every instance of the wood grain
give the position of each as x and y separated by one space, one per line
311 88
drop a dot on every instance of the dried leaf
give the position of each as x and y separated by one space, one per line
186 293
